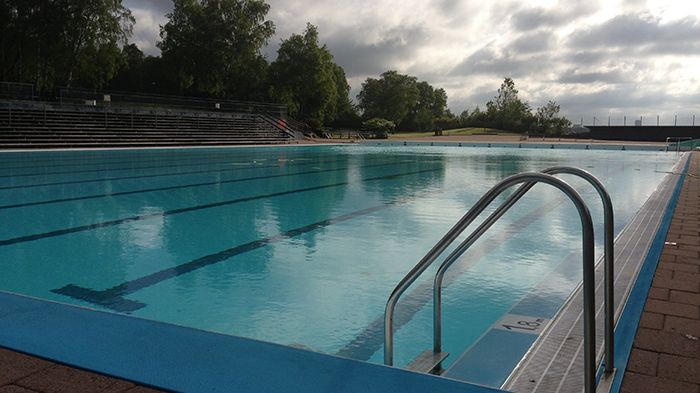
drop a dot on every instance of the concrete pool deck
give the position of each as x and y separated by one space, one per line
665 357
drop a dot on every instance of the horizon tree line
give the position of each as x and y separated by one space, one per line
212 48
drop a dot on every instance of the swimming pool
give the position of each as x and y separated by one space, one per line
298 245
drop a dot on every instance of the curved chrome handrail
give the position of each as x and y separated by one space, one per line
467 219
609 258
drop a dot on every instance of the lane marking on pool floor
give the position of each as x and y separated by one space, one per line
166 174
65 231
223 161
103 160
371 339
112 298
184 186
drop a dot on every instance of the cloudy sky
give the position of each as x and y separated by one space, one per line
602 58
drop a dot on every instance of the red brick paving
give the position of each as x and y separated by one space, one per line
666 351
20 373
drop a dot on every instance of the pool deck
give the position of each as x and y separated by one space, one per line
20 373
666 350
665 355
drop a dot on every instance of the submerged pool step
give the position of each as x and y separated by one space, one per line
428 362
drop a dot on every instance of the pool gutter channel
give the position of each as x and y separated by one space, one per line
553 363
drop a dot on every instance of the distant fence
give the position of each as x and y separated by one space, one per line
68 95
114 98
643 133
17 91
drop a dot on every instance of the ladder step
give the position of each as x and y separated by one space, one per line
428 361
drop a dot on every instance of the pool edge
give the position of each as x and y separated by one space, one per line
152 353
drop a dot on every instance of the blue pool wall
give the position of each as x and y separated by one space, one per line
188 360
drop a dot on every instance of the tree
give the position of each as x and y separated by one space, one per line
140 73
213 46
507 95
431 105
390 97
547 120
346 113
413 105
507 111
304 78
378 128
62 42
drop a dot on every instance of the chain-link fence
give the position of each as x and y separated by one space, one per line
117 98
17 91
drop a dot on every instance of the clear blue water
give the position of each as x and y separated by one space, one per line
296 245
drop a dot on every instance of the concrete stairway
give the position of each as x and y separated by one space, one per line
39 125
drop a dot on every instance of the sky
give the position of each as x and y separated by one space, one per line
608 59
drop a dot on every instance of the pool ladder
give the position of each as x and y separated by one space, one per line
431 360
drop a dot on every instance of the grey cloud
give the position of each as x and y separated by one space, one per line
449 6
160 7
538 41
588 57
362 58
627 100
533 18
479 97
683 48
523 48
149 15
609 77
488 61
530 18
636 32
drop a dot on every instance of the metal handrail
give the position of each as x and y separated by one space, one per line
467 219
678 140
608 258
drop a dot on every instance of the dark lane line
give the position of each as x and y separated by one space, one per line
238 168
94 161
371 339
113 298
210 183
61 232
131 168
88 161
94 155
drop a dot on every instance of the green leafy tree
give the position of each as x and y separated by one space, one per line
378 128
140 73
213 46
305 78
447 121
62 42
390 97
413 105
507 111
548 120
346 113
430 106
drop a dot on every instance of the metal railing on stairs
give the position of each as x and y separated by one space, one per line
435 357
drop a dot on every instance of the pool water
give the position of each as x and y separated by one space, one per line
299 246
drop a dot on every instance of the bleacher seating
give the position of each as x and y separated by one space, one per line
47 125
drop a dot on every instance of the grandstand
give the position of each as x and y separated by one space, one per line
80 119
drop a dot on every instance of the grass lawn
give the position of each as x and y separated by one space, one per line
456 131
